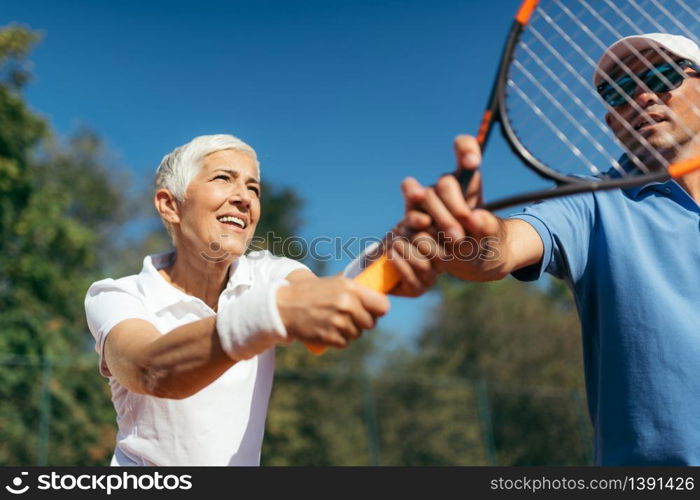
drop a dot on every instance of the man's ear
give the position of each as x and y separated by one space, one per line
608 119
167 206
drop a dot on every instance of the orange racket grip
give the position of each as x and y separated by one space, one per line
381 276
681 168
316 349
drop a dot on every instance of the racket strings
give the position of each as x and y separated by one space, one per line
591 63
693 14
643 11
539 99
682 29
564 111
553 127
566 92
597 39
545 66
552 104
552 100
603 27
649 65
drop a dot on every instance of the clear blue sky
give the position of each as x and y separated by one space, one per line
341 99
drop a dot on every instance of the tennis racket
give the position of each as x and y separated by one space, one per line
552 114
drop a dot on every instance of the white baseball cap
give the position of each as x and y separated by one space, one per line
675 44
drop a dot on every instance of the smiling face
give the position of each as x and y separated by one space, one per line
221 209
668 121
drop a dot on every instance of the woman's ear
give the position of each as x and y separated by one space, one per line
167 206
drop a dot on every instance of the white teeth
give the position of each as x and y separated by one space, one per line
235 220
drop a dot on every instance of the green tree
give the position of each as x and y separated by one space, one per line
497 378
58 204
320 408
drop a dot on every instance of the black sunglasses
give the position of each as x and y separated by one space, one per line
660 78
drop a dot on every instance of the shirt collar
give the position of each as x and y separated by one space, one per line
636 191
629 167
158 294
240 273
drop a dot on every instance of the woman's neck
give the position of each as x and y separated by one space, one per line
198 277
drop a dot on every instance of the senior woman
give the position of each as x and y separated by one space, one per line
188 343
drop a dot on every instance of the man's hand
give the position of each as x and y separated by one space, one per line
329 311
462 239
418 273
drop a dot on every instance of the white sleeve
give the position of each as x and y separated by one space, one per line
285 267
274 268
108 303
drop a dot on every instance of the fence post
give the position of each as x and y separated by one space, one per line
482 401
45 415
370 420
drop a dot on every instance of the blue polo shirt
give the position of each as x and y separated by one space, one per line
632 260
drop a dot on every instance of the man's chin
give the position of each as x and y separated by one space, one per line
655 156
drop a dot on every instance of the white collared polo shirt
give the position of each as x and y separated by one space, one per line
223 423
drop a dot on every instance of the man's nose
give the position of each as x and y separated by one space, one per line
644 96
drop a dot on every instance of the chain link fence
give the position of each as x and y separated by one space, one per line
58 412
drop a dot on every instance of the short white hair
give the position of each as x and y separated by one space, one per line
181 165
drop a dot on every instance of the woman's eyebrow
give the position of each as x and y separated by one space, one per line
236 174
232 173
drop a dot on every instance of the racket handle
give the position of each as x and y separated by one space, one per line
316 349
381 276
681 168
464 178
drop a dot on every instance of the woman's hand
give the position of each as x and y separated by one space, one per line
329 311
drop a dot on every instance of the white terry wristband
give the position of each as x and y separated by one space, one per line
251 323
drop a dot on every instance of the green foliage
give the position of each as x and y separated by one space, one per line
318 407
506 332
426 419
15 44
57 206
507 359
279 215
